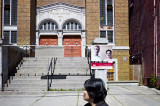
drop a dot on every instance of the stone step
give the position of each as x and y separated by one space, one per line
46 67
27 85
68 87
56 70
78 77
58 58
29 81
25 89
30 74
34 71
26 77
57 65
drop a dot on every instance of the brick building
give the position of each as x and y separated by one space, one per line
145 36
62 22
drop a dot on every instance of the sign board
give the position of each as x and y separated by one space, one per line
101 57
101 65
101 53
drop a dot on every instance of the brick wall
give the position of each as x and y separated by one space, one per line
121 23
25 21
122 38
123 66
92 18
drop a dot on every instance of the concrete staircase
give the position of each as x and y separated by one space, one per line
29 76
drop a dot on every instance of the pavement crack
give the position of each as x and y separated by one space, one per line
38 99
118 100
142 94
77 99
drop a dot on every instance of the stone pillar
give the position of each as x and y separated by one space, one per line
37 38
83 43
60 38
0 67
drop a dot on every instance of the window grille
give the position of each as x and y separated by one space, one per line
106 12
102 12
13 36
6 36
110 36
102 34
48 26
72 26
10 36
14 12
6 14
109 13
10 12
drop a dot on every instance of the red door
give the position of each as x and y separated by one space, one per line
49 40
72 46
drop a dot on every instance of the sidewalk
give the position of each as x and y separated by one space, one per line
117 96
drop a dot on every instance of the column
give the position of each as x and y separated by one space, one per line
83 43
60 36
0 67
37 38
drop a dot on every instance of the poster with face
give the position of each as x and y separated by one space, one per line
101 53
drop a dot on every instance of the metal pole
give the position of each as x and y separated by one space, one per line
2 82
48 82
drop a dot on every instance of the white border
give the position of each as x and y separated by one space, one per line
120 48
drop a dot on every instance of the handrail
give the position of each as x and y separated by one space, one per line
88 51
50 67
51 70
2 87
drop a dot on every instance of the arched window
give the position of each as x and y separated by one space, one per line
72 25
48 26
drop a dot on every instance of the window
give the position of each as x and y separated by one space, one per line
108 35
6 35
10 12
48 26
10 36
72 26
102 34
106 12
102 12
109 13
13 36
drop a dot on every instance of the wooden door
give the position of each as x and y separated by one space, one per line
49 40
72 46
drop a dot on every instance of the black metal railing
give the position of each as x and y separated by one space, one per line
50 74
2 87
16 62
88 54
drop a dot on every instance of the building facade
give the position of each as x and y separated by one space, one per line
70 22
145 37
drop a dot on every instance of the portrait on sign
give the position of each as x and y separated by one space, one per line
101 53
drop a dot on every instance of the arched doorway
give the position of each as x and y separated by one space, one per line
72 43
